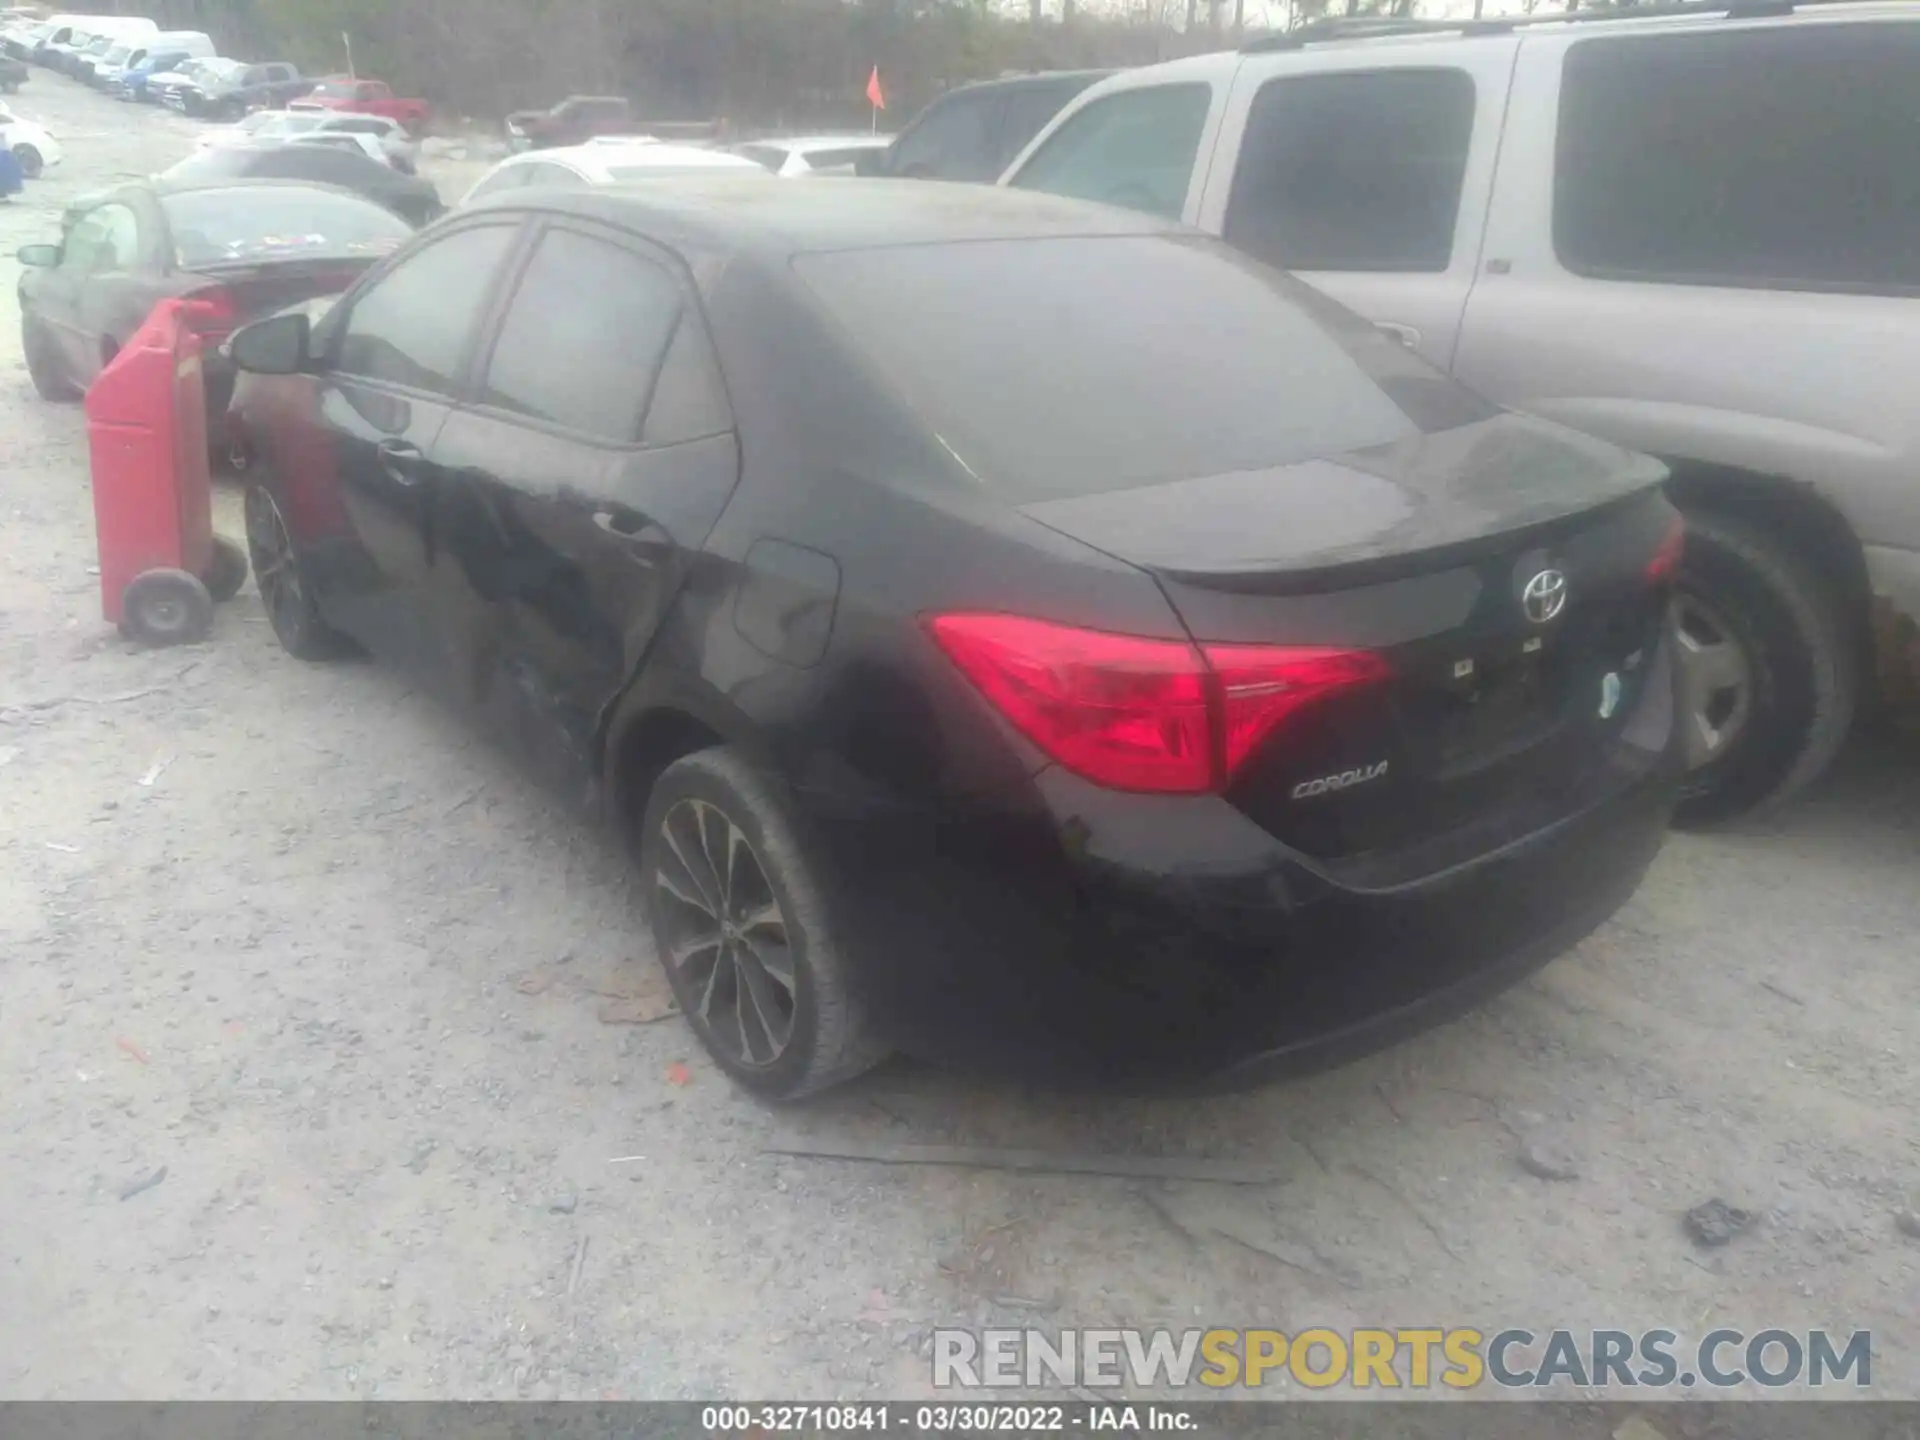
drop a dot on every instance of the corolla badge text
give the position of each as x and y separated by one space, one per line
1345 780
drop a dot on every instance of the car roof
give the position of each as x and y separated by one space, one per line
747 216
599 157
1021 82
163 187
800 144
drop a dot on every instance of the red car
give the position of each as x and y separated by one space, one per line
363 97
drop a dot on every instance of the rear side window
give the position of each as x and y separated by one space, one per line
1135 149
769 156
1786 158
1134 360
1353 172
584 338
952 141
411 326
1029 110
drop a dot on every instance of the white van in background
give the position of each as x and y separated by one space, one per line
92 37
132 52
28 41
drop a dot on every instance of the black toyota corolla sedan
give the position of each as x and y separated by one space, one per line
1012 632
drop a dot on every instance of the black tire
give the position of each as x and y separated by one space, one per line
227 572
32 163
829 1041
166 607
286 589
1802 657
50 381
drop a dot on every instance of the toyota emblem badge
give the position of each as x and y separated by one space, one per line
1544 596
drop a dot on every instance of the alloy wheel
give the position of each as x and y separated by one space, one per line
1716 680
274 570
726 935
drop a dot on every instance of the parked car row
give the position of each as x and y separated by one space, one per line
131 57
376 136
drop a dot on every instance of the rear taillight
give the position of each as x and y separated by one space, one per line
1137 714
1261 686
1666 560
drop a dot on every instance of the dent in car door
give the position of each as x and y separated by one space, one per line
1369 182
596 458
395 353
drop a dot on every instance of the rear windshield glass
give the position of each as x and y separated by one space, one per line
1066 367
835 159
257 224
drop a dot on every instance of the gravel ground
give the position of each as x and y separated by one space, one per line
283 938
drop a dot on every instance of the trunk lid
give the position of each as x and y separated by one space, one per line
1502 570
242 294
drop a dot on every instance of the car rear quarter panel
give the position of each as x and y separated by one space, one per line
834 467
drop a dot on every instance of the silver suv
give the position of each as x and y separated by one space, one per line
1695 234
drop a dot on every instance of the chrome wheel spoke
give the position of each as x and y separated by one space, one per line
1717 665
682 888
705 1008
682 954
692 879
773 961
716 850
1716 680
767 916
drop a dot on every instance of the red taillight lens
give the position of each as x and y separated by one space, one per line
1261 685
1137 714
1666 560
1129 713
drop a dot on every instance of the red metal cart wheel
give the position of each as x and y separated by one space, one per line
166 607
227 572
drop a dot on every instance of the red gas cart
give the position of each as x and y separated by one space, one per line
161 566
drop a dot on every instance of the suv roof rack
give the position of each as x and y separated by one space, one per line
1371 27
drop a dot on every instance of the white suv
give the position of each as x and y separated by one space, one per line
1694 234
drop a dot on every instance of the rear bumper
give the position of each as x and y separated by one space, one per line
1156 942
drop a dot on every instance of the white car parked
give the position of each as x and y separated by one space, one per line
609 160
793 156
377 136
32 145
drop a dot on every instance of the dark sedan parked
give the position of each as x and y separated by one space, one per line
1016 632
408 196
242 250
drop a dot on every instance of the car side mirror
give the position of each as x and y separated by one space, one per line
278 345
39 257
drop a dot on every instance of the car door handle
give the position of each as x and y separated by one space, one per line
1405 334
400 460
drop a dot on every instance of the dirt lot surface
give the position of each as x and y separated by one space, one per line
306 1089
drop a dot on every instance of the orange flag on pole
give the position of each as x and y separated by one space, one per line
876 97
